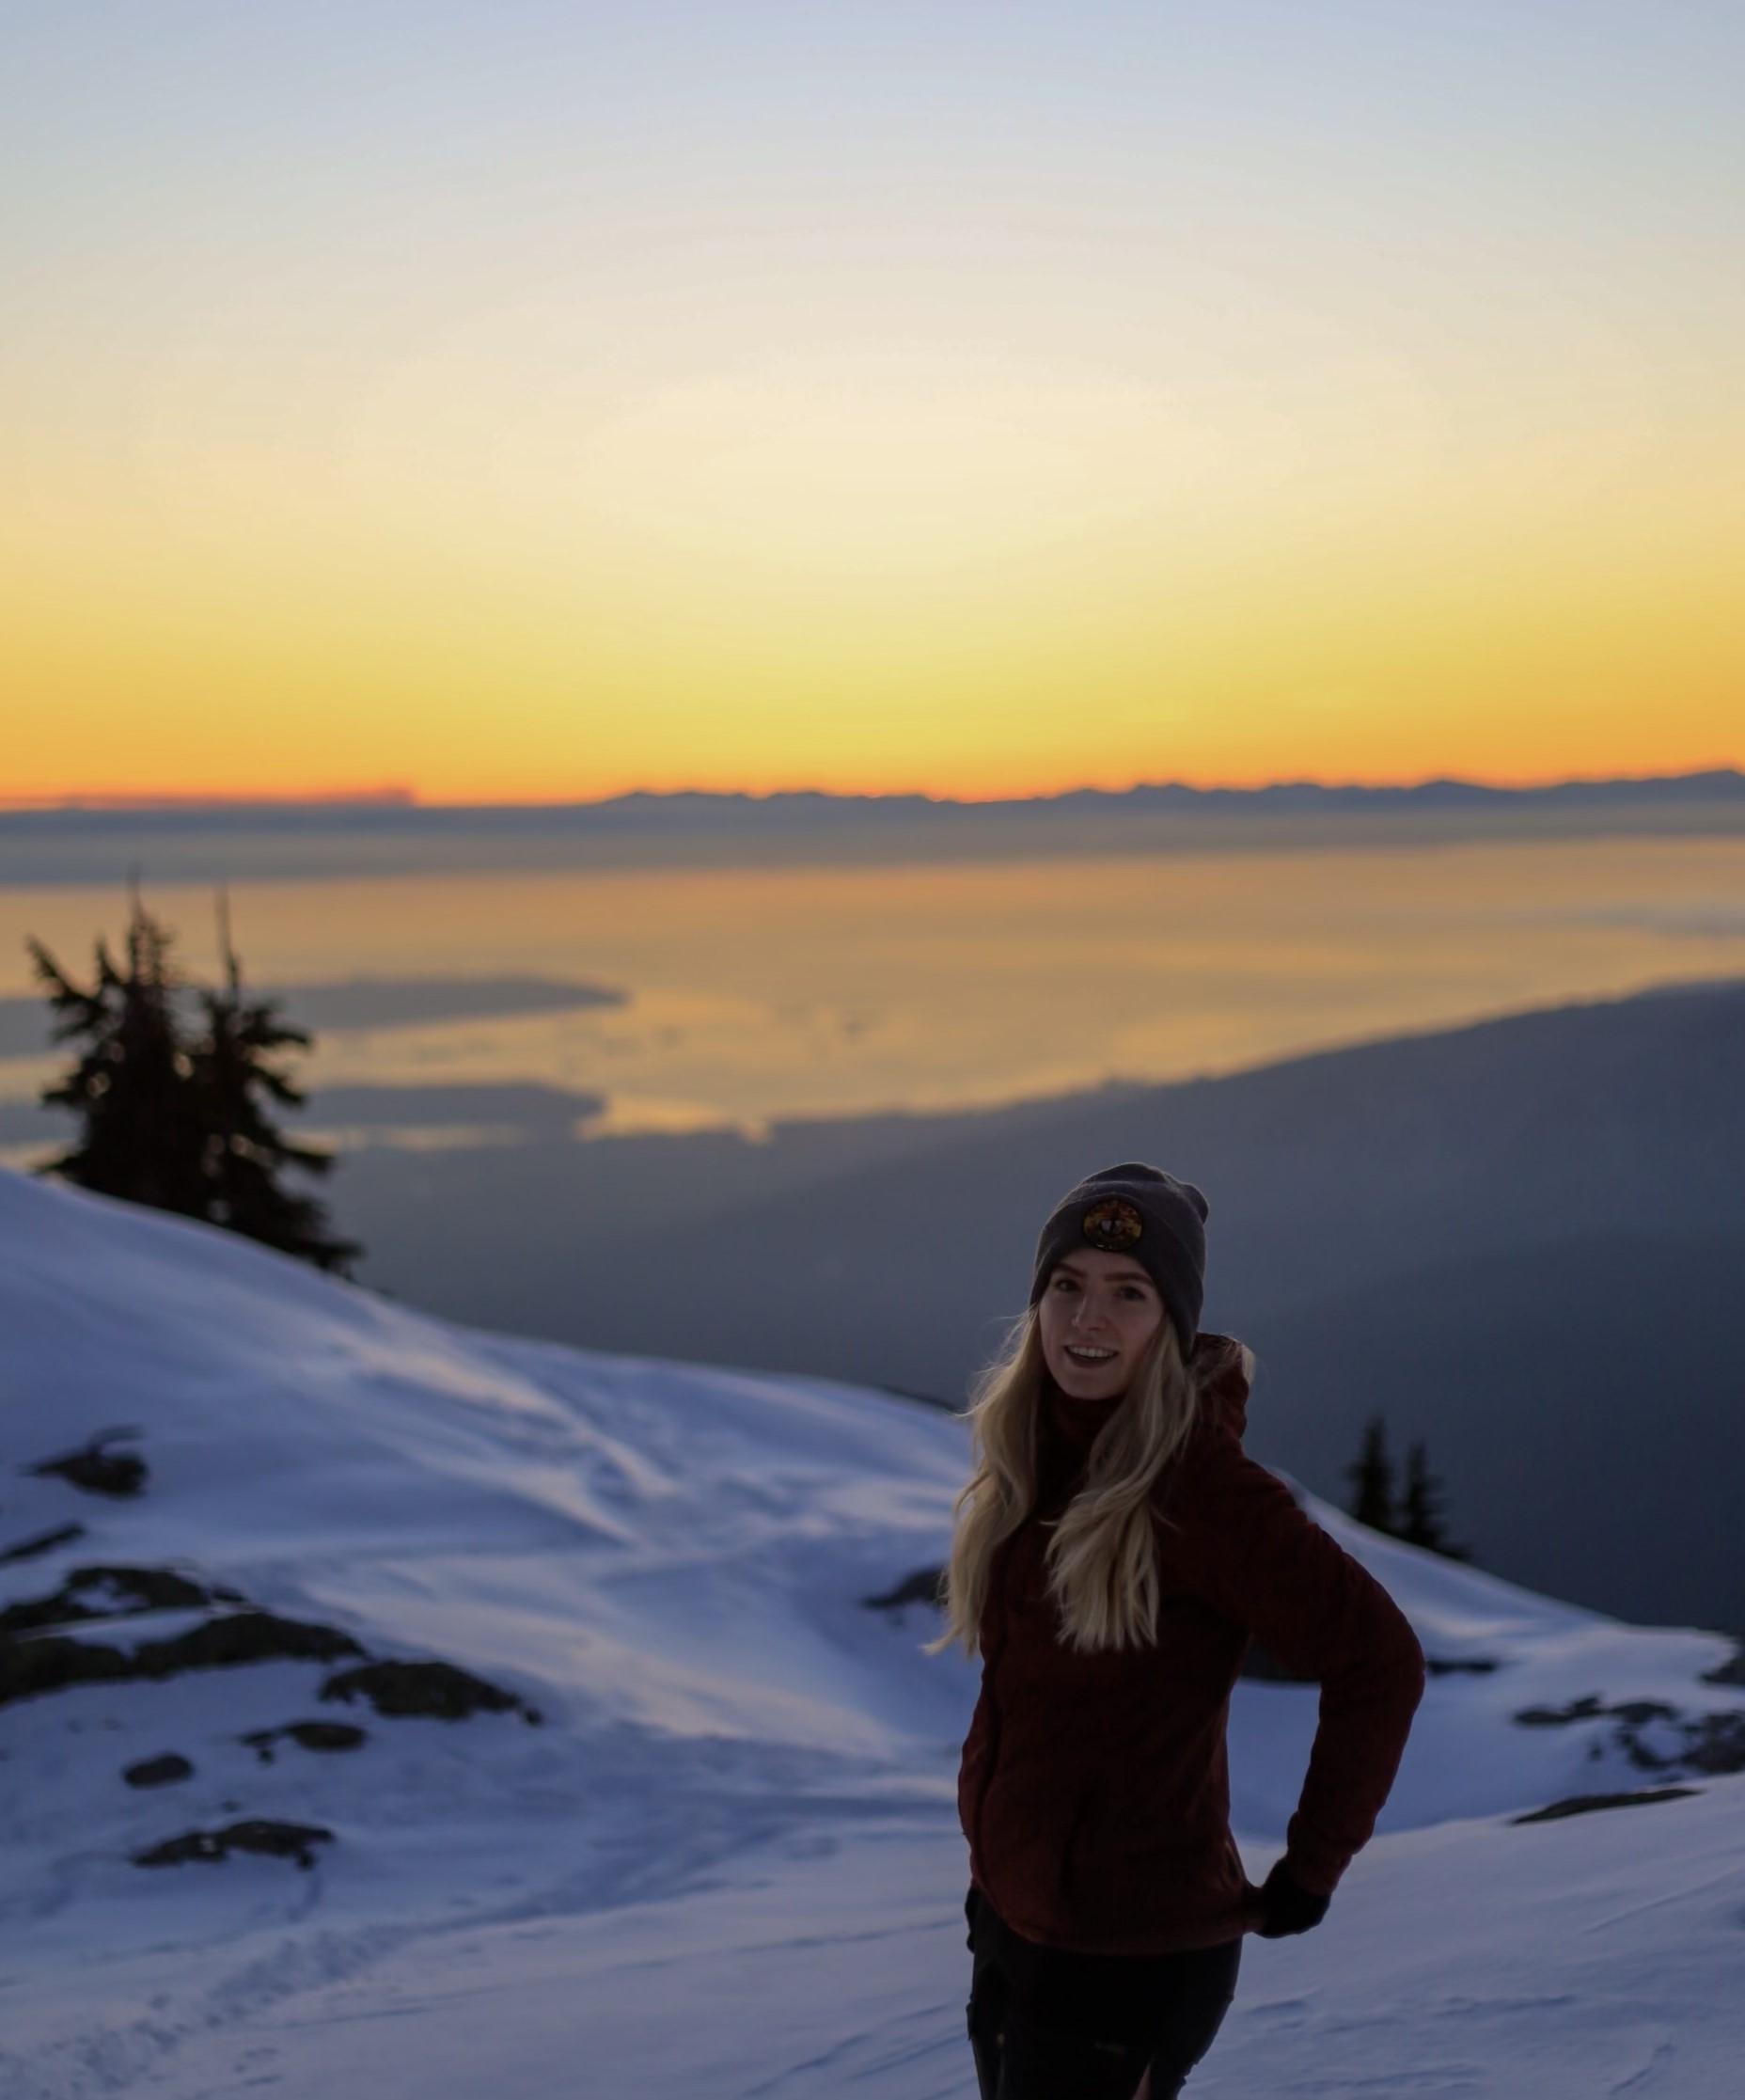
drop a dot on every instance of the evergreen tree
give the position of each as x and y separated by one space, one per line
179 1117
1422 1508
237 1079
1372 1480
133 1084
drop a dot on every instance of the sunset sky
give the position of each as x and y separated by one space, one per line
529 401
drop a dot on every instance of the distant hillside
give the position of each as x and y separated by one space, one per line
193 841
1520 1240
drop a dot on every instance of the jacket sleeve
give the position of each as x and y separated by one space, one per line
1235 1537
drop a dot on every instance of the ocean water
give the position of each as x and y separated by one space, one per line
752 994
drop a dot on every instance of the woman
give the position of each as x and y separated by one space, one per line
1114 1551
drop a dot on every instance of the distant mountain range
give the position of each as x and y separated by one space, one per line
399 811
1522 1241
196 841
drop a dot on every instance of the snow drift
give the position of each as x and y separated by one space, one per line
607 1772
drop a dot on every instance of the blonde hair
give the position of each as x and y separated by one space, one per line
1102 1558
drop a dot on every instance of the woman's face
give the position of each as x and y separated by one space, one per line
1099 1313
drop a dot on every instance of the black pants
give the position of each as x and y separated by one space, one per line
1046 2025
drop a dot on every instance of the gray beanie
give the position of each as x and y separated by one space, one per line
1137 1211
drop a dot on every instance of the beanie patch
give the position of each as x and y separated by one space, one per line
1113 1226
1137 1211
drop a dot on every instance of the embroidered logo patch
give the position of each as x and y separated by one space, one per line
1114 1225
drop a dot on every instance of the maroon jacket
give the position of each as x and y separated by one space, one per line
1095 1790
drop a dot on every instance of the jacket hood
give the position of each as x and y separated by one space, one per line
1226 1366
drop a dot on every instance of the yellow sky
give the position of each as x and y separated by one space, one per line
729 450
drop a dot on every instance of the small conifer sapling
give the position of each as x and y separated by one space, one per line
177 1113
130 1085
1372 1480
239 1078
1422 1506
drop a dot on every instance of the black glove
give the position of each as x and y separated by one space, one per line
1287 1906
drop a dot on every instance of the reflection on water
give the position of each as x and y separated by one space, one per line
759 993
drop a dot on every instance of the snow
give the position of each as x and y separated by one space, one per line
725 1859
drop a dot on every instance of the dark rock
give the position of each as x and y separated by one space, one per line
1716 1742
158 1772
1713 1742
1477 1666
97 1470
51 1661
43 1662
44 1542
132 1591
311 1735
1639 1712
278 1840
251 1637
926 1586
1584 1804
1585 1709
1732 1671
439 1690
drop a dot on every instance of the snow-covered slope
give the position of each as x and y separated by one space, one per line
705 1840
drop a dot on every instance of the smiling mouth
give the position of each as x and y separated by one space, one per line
1090 1355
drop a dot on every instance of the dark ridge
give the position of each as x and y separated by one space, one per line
251 1637
43 1662
132 1591
159 1771
1584 1804
309 1735
1733 1670
316 839
276 1840
1639 1712
1713 1742
1635 1712
741 810
44 1542
1587 1707
97 1471
926 1586
34 1662
435 1689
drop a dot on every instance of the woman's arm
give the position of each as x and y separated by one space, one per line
1236 1538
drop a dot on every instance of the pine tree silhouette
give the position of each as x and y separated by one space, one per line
176 1117
132 1086
1422 1508
1372 1480
236 1077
